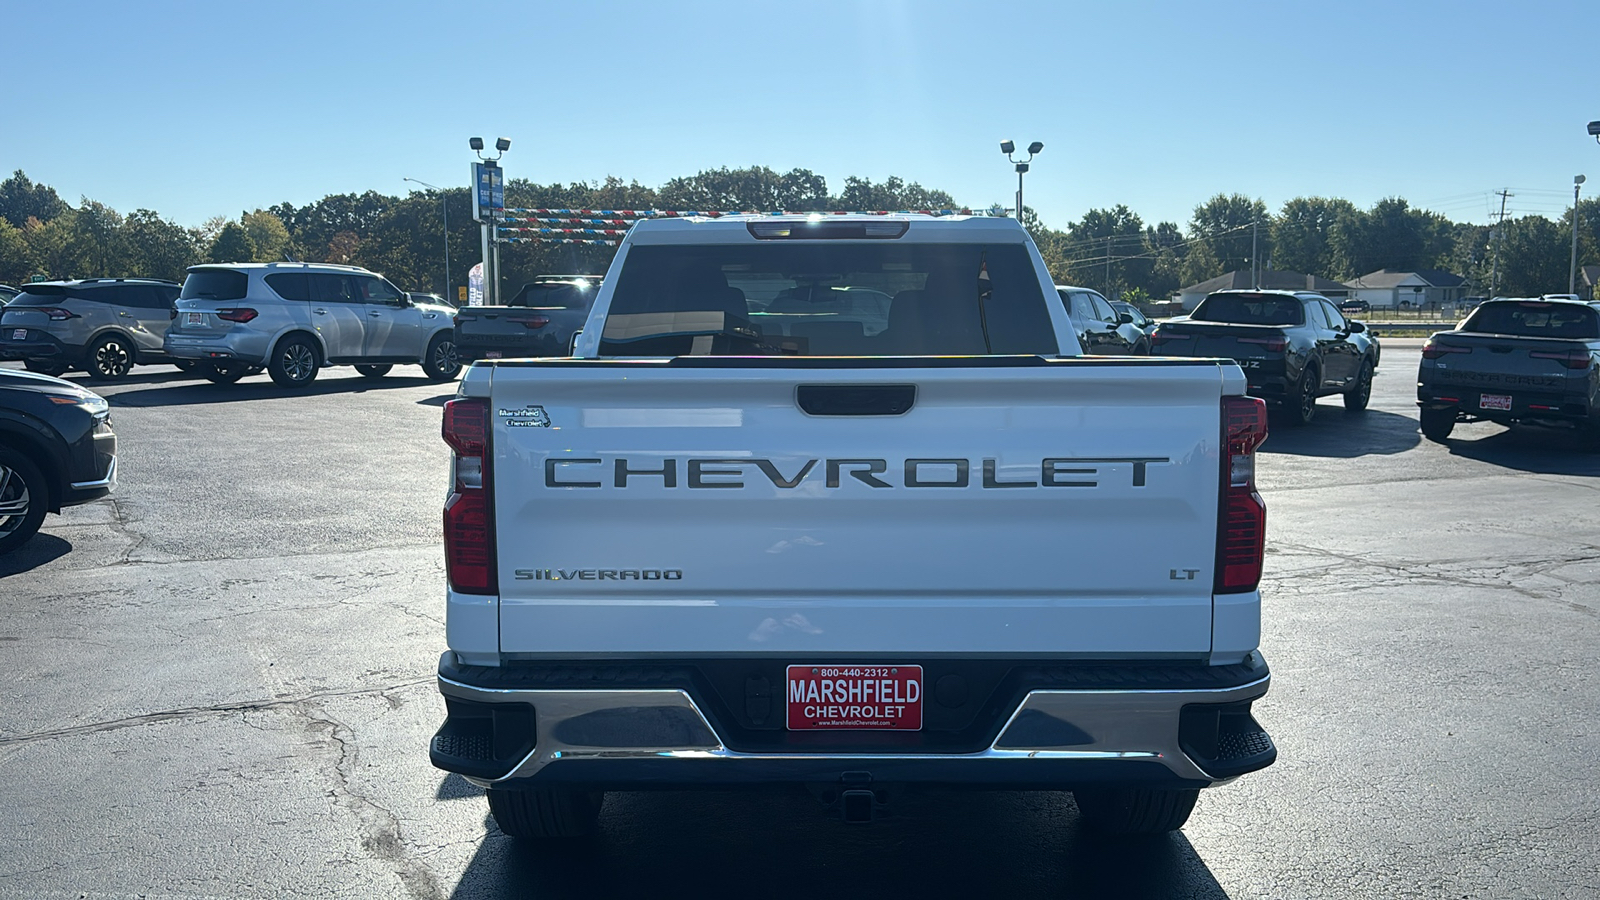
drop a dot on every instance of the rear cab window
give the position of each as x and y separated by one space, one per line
215 284
828 298
1250 309
556 295
1530 318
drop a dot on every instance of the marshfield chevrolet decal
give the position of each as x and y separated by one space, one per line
526 417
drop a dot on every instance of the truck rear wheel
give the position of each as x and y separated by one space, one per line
544 813
1438 423
1302 406
1134 811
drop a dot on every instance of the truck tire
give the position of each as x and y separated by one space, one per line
109 358
374 371
1438 423
23 498
294 362
1134 811
1356 399
440 363
545 813
1302 403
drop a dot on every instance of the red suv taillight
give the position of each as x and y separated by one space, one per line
241 314
1430 350
468 514
1242 520
1572 359
57 314
1166 337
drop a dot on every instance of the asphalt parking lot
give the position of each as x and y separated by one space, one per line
221 685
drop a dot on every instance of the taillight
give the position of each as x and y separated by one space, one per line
1160 337
1242 518
1430 350
529 322
241 314
1572 359
1273 344
57 314
468 514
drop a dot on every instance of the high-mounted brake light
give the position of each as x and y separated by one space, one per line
241 314
1242 518
818 228
468 513
1430 350
1572 359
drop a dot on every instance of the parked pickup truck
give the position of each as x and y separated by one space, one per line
1514 361
1294 347
709 552
541 320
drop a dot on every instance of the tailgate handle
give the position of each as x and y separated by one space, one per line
856 399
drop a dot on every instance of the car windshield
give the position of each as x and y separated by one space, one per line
1249 309
1535 319
828 299
215 284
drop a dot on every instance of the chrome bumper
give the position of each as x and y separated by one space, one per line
1088 726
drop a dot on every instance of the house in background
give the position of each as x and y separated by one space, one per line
1589 282
1430 288
1191 296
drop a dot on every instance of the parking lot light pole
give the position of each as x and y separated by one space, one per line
1009 148
444 210
1572 274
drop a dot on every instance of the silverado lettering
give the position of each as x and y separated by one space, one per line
725 473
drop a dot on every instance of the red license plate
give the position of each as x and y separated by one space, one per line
854 697
1495 401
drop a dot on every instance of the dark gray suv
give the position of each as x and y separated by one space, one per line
104 326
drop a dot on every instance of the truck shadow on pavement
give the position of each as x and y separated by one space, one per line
204 392
770 844
1545 451
1336 432
40 549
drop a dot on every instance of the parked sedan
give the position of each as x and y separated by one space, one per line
1293 346
1140 321
1101 329
57 449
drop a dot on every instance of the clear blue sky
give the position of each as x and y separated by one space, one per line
202 109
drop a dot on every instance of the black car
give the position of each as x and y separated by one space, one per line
541 320
1293 346
57 449
1101 328
1355 307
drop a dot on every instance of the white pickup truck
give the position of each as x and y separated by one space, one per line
836 501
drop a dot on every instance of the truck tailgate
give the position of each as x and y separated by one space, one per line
1058 508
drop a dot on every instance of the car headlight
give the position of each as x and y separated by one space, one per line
93 404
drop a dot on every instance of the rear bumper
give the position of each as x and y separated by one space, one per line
1138 726
212 348
1545 408
46 348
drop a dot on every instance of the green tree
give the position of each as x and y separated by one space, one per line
17 264
21 200
1534 253
50 246
232 245
97 240
158 248
1225 225
1392 235
268 235
1302 235
861 195
756 188
1109 250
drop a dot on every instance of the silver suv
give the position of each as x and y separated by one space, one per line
102 325
294 318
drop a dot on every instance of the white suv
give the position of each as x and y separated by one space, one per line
294 318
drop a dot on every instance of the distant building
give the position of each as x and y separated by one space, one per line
1271 280
1426 288
1589 282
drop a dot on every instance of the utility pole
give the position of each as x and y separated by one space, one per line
1572 274
1108 265
1255 276
1494 241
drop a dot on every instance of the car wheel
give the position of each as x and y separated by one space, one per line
109 359
1356 399
440 362
23 498
1438 423
1303 404
45 367
294 362
223 372
1134 811
374 371
545 813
